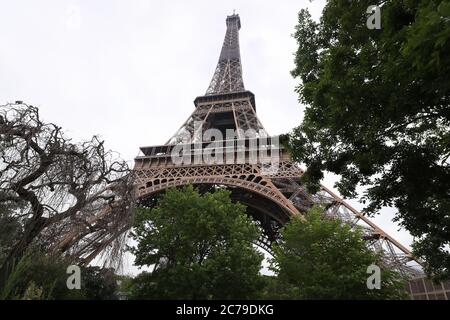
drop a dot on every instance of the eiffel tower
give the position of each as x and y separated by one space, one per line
272 197
267 184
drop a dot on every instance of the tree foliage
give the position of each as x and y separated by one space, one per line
323 258
62 186
10 228
378 114
200 247
38 276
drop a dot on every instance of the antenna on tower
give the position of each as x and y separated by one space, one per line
234 11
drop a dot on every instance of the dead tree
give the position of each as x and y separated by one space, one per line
74 193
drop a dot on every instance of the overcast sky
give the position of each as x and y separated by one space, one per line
130 70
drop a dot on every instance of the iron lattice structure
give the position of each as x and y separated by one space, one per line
228 75
271 197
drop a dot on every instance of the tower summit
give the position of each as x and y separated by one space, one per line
226 104
227 77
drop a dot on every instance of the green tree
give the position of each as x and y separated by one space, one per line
378 114
10 229
323 258
38 276
98 283
273 288
200 245
10 226
37 272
